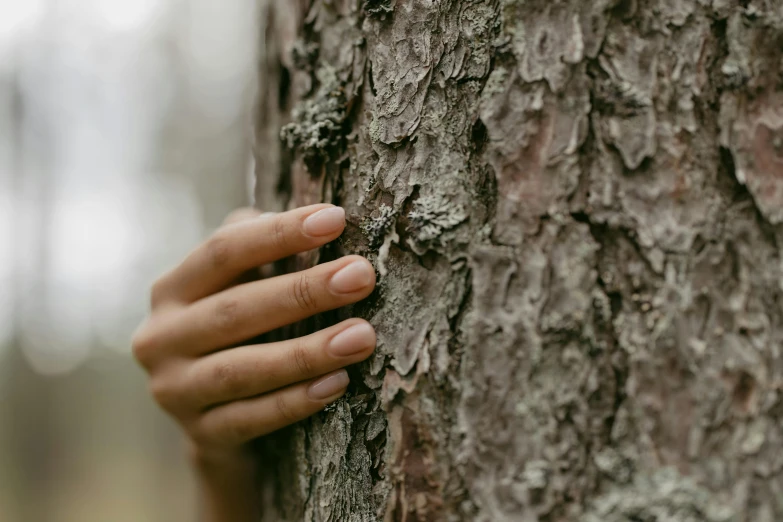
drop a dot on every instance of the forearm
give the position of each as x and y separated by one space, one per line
227 487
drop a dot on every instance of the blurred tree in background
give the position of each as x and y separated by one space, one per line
124 138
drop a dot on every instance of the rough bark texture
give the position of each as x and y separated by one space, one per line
575 209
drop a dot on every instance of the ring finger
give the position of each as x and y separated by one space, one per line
248 371
251 309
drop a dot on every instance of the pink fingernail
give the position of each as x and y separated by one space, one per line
352 340
328 386
324 222
352 278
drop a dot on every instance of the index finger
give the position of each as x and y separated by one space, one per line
241 246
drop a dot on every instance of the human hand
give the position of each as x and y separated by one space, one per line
223 393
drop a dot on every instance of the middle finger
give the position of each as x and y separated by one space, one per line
251 309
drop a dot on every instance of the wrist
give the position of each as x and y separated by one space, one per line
212 459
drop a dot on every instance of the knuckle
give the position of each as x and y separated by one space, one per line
157 292
199 440
302 359
284 410
163 393
280 233
302 294
226 315
228 378
197 448
218 250
143 345
200 431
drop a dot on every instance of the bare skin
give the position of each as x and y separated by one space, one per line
225 394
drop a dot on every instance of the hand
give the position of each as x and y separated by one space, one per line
224 394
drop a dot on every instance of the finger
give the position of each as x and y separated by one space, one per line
247 244
242 214
248 310
241 421
248 371
251 309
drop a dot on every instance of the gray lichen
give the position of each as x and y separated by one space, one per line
318 122
663 496
377 7
375 227
432 215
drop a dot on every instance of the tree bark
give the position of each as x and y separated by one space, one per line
575 209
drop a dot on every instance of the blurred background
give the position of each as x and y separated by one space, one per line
124 139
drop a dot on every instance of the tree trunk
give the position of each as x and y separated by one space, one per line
575 209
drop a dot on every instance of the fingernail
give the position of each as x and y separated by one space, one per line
325 222
353 340
328 386
352 278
